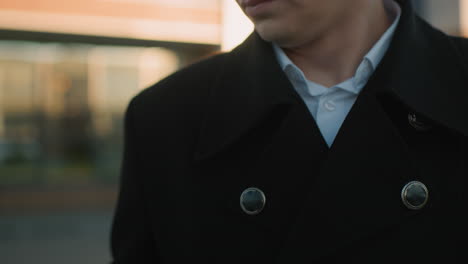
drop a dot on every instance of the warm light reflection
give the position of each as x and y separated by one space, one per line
2 116
236 26
154 65
216 22
151 29
464 17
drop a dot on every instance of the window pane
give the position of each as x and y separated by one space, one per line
61 121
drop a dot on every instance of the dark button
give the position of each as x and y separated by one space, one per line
416 123
415 195
252 201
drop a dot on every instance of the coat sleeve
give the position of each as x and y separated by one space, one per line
132 240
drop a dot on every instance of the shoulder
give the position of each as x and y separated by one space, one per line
461 46
181 95
165 118
183 86
187 91
460 55
461 43
454 49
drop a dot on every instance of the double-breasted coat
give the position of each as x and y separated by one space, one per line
197 140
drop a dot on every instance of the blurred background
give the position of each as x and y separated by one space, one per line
67 71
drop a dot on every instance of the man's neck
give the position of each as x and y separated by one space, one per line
334 57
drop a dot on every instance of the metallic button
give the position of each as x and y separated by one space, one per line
414 195
252 201
416 123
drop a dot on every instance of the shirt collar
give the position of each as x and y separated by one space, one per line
377 52
368 65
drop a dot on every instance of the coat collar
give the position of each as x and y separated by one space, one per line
250 88
421 69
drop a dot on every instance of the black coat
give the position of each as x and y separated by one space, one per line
196 140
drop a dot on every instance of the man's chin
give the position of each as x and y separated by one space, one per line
275 36
270 34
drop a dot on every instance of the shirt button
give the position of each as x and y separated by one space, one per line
329 105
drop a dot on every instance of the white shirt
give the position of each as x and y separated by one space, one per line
330 106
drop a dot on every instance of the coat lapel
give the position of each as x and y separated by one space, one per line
357 193
320 200
425 71
257 132
251 91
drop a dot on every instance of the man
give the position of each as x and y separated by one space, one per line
335 133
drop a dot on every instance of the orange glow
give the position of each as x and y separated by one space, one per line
236 26
464 17
207 14
183 31
152 20
216 22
